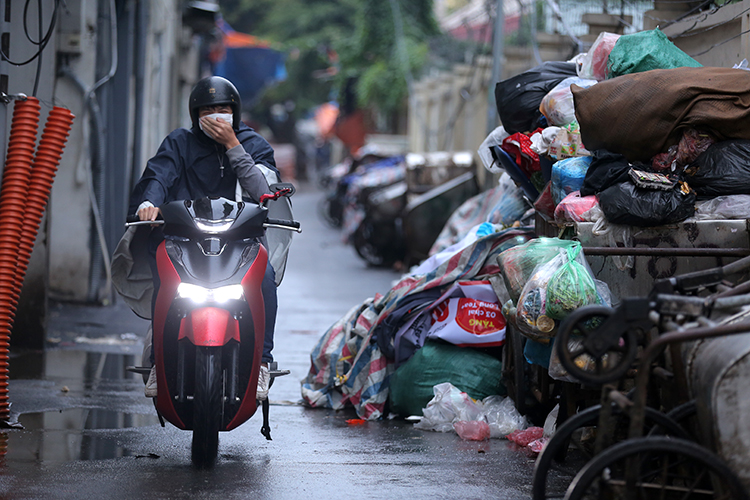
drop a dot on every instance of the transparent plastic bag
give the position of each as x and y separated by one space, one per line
449 405
594 63
557 287
557 106
473 430
502 416
571 286
518 263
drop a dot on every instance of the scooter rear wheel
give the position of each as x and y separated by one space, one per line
207 406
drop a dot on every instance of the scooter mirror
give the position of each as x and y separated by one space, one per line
275 188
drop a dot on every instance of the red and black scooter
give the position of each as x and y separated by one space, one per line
209 323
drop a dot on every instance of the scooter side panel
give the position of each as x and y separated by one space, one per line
251 284
209 327
167 290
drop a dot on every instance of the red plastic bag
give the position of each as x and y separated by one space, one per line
472 430
525 437
573 206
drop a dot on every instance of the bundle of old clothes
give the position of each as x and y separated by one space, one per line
645 131
353 360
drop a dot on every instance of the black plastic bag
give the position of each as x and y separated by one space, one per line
518 97
723 169
607 169
625 203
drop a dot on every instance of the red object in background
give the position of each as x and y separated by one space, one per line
356 421
350 129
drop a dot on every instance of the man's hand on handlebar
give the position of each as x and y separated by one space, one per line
148 213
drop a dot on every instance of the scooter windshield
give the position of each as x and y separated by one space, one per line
215 209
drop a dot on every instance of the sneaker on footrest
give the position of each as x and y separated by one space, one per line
150 389
263 381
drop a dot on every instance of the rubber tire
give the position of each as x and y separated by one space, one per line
365 249
556 447
633 447
207 406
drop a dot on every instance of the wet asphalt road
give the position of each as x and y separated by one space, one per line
90 433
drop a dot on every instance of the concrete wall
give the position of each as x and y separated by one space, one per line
719 39
61 263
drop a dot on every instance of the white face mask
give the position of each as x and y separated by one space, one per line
225 117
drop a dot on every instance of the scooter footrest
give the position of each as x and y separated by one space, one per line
278 373
143 370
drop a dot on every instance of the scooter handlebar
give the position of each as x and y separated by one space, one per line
133 220
291 225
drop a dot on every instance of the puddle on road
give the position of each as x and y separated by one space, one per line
65 378
68 435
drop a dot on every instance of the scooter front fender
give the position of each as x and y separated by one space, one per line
209 327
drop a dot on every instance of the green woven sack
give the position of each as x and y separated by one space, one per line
644 51
476 373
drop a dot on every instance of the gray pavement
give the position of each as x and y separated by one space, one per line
90 433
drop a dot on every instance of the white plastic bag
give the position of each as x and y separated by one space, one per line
495 138
449 405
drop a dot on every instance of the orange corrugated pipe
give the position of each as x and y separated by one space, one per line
13 193
43 171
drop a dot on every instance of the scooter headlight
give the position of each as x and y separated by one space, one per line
201 295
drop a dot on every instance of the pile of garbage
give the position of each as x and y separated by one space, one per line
632 133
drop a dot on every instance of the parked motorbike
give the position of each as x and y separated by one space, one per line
209 323
379 237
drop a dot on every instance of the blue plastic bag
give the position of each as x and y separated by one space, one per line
568 175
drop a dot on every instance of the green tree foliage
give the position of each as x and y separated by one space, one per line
306 30
362 32
376 58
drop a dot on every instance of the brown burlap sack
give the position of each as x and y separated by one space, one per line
642 114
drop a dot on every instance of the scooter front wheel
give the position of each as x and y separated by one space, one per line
207 405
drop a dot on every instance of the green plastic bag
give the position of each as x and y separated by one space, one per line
644 51
571 286
472 371
518 263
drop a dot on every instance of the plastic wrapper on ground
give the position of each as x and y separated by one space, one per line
451 406
474 430
526 436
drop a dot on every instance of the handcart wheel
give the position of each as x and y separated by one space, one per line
554 456
656 467
579 331
680 415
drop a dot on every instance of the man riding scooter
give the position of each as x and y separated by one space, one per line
218 157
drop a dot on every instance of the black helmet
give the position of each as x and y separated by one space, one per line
212 91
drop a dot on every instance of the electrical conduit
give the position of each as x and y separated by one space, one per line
21 144
43 171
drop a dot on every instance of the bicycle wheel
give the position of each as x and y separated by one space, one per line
554 456
656 468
